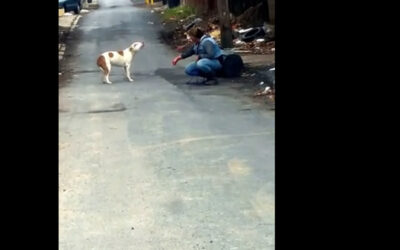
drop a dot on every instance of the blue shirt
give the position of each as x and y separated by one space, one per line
206 48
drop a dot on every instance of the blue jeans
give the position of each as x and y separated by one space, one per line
203 67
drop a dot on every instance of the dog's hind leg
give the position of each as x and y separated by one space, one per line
108 74
103 75
104 67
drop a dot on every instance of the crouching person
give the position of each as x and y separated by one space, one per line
209 57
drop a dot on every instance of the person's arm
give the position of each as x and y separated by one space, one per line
188 52
184 55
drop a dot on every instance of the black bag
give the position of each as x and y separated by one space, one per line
232 65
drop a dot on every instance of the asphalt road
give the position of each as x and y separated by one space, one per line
157 164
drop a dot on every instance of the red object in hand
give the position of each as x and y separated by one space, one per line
176 59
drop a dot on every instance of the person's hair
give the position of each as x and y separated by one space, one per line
196 32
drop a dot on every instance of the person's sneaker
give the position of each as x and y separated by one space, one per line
196 81
211 81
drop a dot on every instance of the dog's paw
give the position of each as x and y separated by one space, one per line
131 80
109 82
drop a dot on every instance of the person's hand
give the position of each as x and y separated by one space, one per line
180 48
176 59
198 58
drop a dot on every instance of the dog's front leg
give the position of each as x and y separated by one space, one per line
127 69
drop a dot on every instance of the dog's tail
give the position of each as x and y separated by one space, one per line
101 63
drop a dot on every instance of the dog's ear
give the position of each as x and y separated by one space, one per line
131 49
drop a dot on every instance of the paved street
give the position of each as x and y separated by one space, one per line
157 164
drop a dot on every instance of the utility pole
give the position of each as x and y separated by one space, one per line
225 23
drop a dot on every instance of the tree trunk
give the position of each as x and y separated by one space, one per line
271 11
225 24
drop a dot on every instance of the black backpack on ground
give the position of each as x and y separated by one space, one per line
232 66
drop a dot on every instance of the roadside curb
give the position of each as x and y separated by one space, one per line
64 34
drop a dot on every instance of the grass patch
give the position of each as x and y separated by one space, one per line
178 13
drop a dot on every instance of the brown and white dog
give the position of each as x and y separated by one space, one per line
122 58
